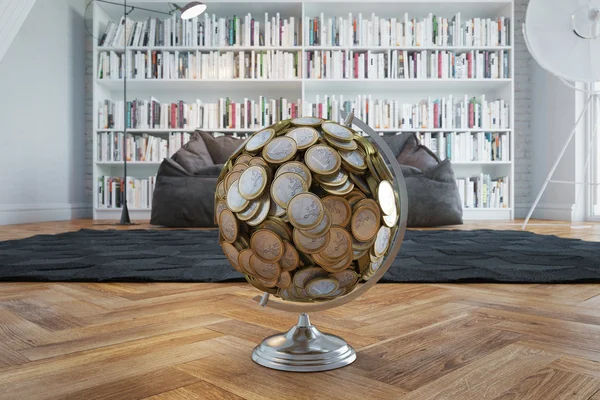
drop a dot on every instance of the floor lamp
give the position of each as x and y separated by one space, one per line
190 10
563 36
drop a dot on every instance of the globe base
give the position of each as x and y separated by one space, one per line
304 349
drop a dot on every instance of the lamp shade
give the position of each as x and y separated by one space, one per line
192 9
563 36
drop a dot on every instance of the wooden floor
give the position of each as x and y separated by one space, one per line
193 341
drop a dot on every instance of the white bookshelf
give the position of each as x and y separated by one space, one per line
306 89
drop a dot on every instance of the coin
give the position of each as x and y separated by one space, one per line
235 201
363 263
221 205
252 182
307 121
333 267
320 229
283 230
298 168
258 161
354 160
275 210
280 150
305 210
228 226
360 182
386 197
239 167
266 245
286 186
304 136
232 256
346 277
340 190
339 246
321 287
266 270
335 179
254 281
307 274
337 131
221 190
382 242
322 159
243 159
230 178
285 280
364 224
259 139
244 261
340 144
339 208
250 211
290 259
310 245
375 265
392 219
261 215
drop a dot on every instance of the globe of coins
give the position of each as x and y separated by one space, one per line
308 210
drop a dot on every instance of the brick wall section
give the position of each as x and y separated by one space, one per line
522 106
89 108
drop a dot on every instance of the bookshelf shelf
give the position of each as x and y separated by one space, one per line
306 92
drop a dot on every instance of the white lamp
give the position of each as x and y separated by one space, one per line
563 36
192 9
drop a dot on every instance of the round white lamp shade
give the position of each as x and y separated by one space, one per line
192 9
564 37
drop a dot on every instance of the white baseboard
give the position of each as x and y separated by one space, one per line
552 211
26 213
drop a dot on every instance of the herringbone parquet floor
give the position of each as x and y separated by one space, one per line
193 341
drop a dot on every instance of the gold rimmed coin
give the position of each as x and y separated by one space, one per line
320 229
265 270
304 136
266 245
259 139
290 259
321 287
286 186
281 229
339 246
252 182
340 210
232 256
254 281
307 121
322 159
346 278
230 178
337 131
221 205
310 245
340 190
305 211
241 167
285 280
221 193
386 197
270 283
258 161
250 211
341 144
392 219
360 183
336 179
244 261
243 159
235 201
280 150
296 167
228 226
382 242
355 160
364 224
275 210
263 211
307 274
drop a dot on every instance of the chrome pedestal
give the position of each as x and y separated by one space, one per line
303 349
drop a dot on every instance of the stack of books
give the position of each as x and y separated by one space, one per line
468 146
139 192
483 192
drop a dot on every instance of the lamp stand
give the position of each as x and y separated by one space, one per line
303 349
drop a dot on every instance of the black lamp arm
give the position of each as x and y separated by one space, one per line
141 8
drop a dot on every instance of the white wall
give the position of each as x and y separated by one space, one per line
42 108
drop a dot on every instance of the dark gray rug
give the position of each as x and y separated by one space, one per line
195 256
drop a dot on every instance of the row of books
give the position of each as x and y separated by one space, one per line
140 147
346 65
484 192
441 113
111 192
405 31
449 65
468 146
224 114
270 64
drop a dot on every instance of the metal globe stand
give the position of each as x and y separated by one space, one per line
304 348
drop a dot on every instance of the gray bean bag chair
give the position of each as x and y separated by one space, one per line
186 183
433 198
